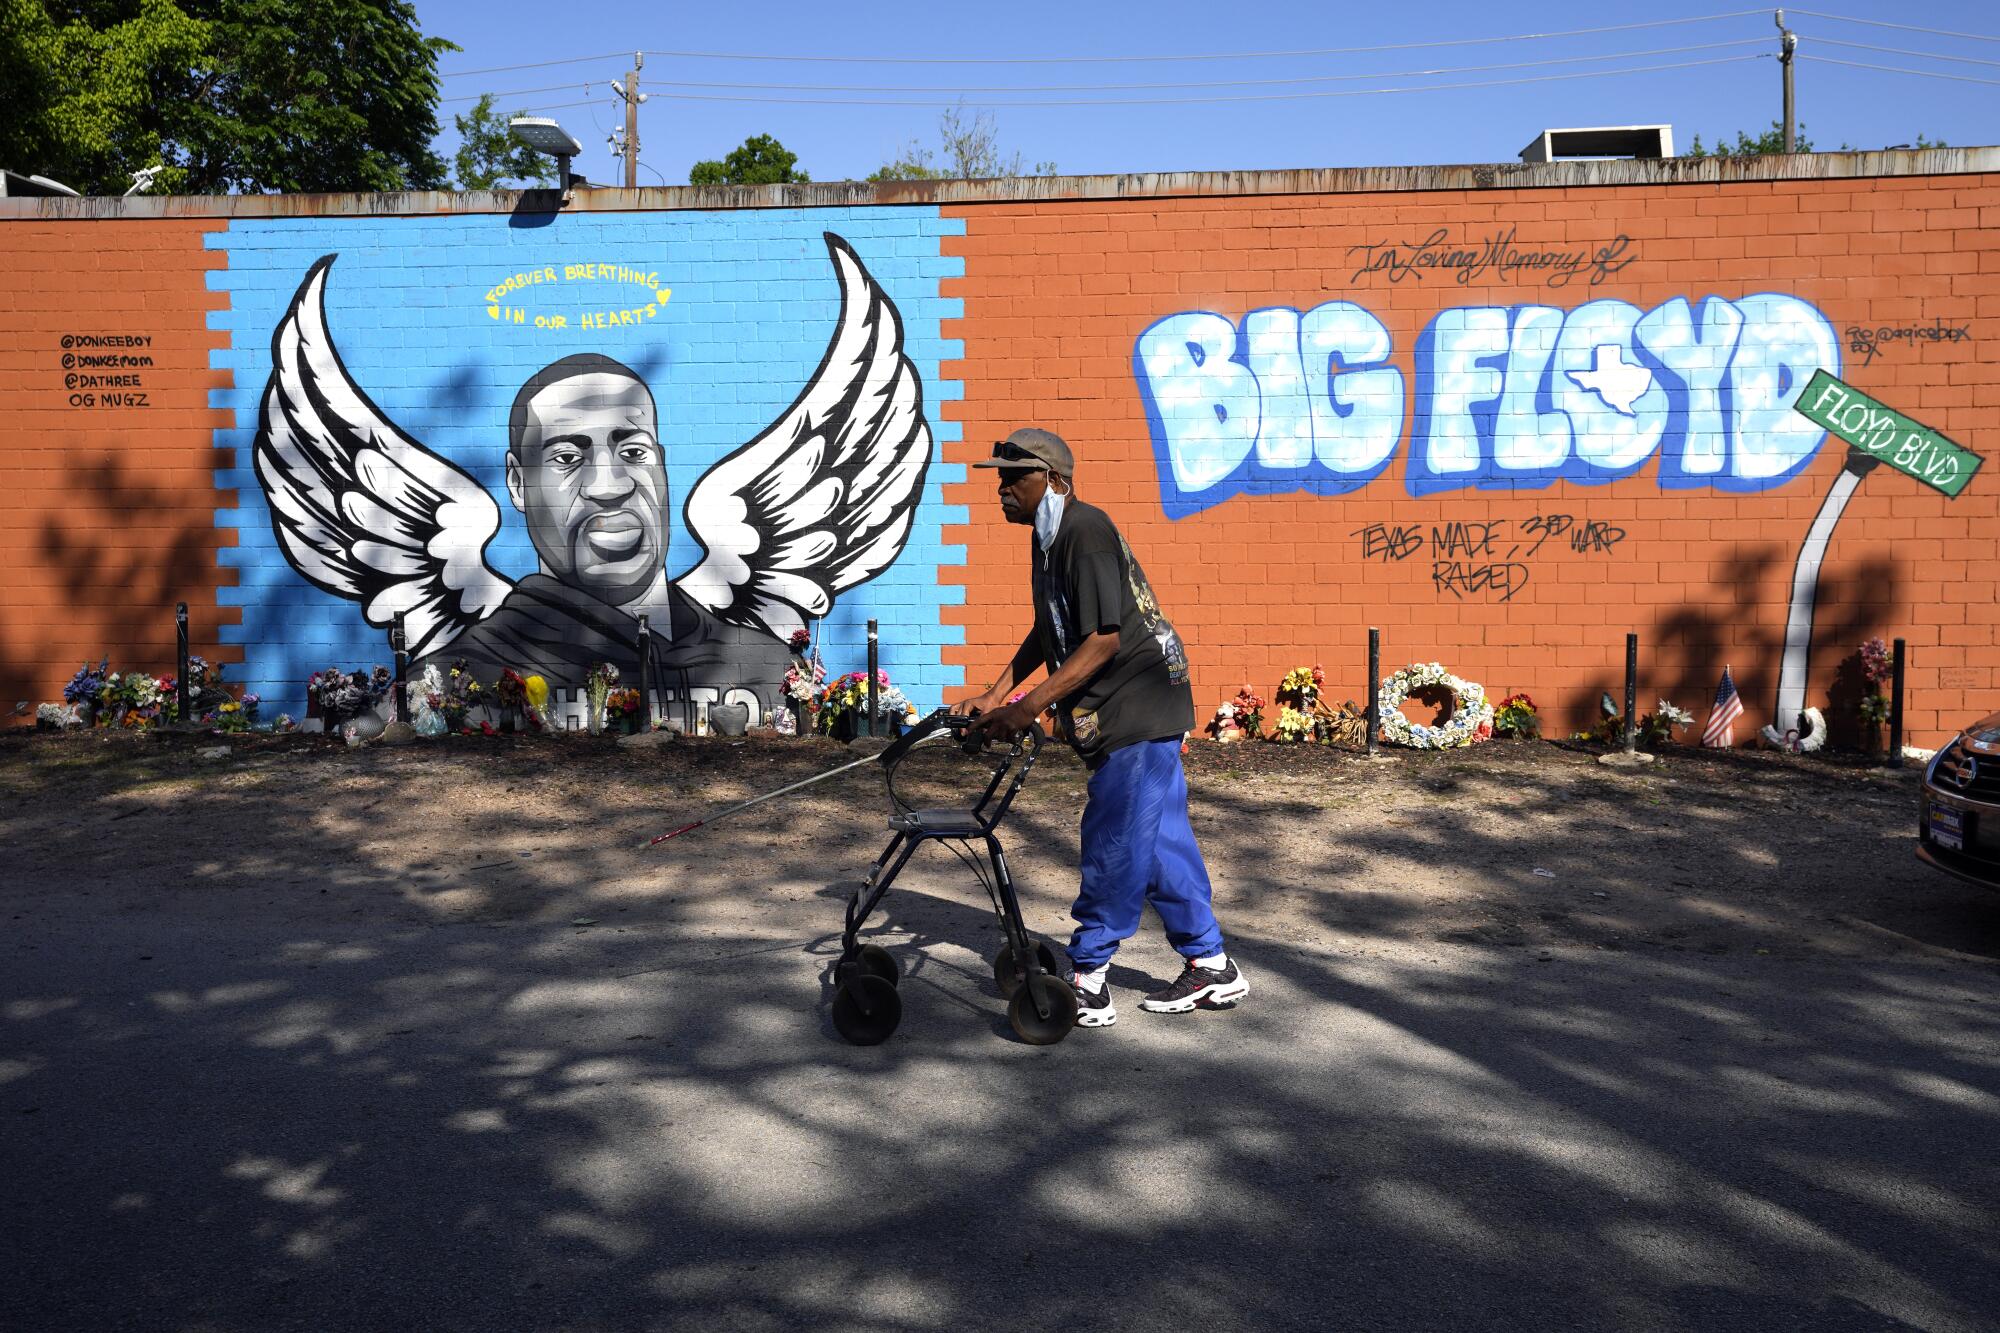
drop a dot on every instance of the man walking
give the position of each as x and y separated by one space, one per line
1118 682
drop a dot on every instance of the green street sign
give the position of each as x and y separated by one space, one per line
1881 432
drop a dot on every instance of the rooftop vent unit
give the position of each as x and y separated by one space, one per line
1604 141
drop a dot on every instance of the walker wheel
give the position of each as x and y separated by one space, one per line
866 1009
877 961
1030 1026
1007 974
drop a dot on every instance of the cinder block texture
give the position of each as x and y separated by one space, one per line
1505 425
107 504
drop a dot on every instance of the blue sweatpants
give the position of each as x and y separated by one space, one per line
1138 848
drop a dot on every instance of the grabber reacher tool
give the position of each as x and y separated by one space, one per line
759 800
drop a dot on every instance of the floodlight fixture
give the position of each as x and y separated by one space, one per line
55 187
142 180
545 136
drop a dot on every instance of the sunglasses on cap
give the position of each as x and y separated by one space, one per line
1014 453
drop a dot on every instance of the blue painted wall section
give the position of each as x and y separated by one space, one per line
1505 397
430 327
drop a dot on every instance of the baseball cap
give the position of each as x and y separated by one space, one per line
1032 447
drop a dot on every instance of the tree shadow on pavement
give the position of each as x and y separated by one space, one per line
446 1106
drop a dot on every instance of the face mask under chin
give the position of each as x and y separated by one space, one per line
1048 515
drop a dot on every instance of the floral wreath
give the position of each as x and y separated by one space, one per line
1471 715
1807 742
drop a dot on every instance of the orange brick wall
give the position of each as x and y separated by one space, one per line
107 513
1055 295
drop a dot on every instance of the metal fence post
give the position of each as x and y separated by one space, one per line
1374 686
874 657
1896 706
646 668
1631 692
181 662
401 644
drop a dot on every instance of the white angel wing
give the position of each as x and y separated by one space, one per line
360 508
824 498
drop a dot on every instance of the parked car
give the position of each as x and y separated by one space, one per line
1958 819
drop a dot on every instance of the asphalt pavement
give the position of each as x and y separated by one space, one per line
222 1125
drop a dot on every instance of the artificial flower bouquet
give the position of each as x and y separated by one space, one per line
626 708
1247 709
1300 688
1295 727
337 695
1517 717
1659 726
1878 668
97 695
597 684
843 705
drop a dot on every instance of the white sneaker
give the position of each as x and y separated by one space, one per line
1199 988
1093 1008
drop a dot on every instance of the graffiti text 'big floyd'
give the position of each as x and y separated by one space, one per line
1512 397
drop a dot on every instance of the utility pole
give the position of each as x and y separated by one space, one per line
1788 42
632 99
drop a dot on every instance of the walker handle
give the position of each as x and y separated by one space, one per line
893 753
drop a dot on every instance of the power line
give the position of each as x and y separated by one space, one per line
1211 55
1899 51
1217 83
1904 27
1891 69
1196 101
518 92
1214 55
539 64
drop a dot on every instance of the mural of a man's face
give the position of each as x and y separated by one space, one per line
589 475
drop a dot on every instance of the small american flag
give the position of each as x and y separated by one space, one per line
1721 728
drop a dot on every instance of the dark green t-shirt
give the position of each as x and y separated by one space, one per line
1089 581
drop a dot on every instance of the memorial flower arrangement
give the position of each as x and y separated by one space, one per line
804 682
1517 716
1877 667
237 715
623 704
87 683
1660 724
1300 688
1294 727
597 685
339 695
536 690
510 691
56 717
1470 721
459 694
843 704
509 694
1247 711
134 699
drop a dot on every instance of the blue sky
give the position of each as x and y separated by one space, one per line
1837 103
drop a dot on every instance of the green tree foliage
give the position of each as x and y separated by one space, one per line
1772 141
230 95
759 161
491 154
968 149
79 87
